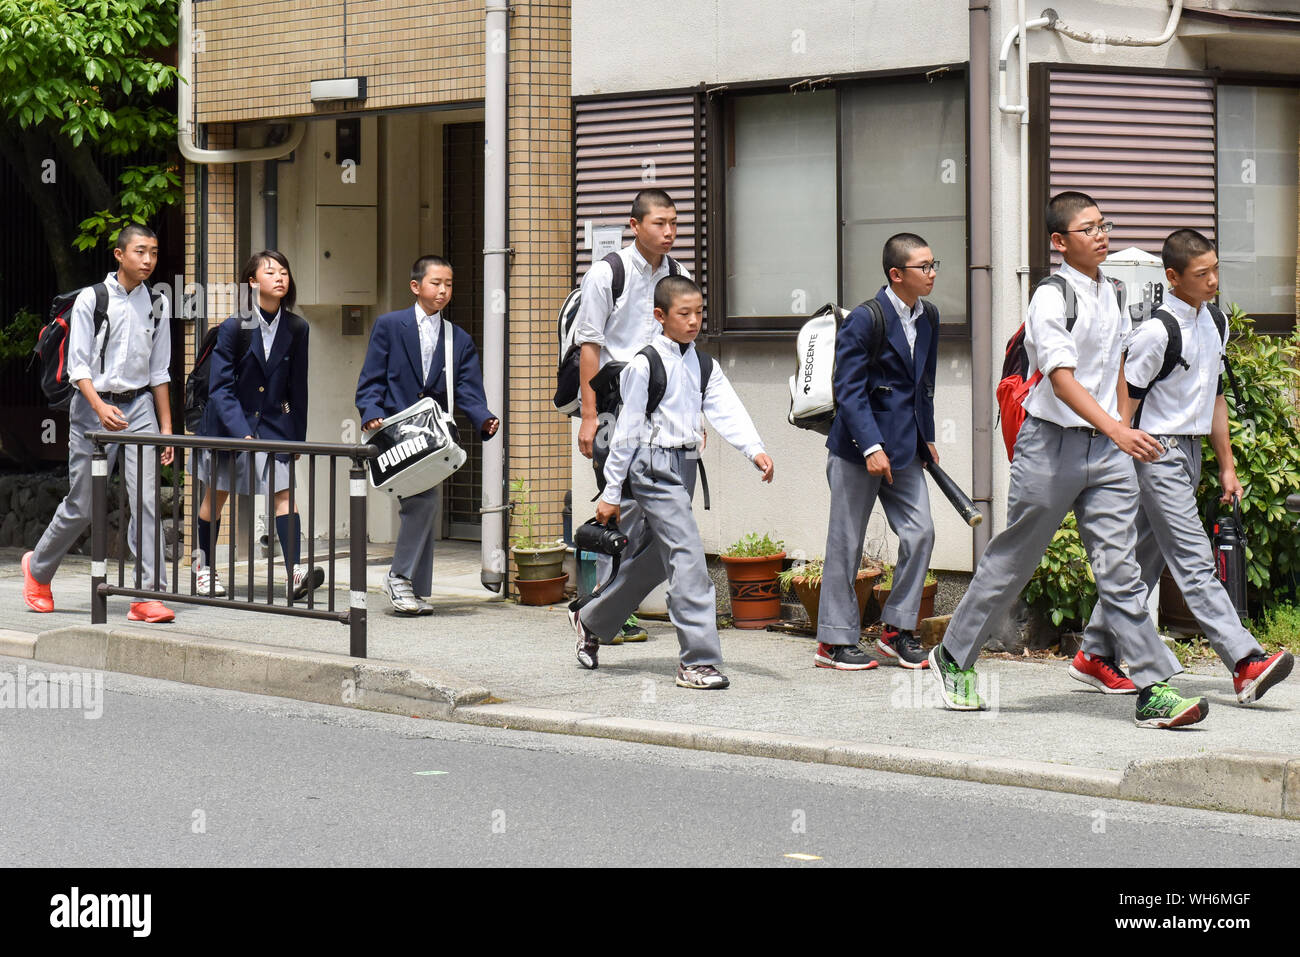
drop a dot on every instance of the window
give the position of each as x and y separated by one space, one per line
814 182
1258 129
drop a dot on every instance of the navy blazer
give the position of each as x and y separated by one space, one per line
891 405
390 377
256 395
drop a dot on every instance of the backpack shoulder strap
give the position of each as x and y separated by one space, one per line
1059 283
619 279
706 370
1220 320
448 347
658 379
674 267
1221 323
1121 292
877 338
101 304
1173 347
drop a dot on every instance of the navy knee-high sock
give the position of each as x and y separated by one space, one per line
206 530
287 528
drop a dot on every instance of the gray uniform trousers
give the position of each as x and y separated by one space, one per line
663 481
73 513
413 550
907 506
1169 530
1056 469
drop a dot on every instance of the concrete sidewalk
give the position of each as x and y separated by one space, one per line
486 661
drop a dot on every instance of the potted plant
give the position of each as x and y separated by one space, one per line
752 566
805 580
883 587
540 565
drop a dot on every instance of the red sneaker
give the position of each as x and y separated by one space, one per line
36 595
154 612
1102 673
1257 673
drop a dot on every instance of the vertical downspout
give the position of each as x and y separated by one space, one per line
271 203
981 280
493 555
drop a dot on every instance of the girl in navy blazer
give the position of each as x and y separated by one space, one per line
257 390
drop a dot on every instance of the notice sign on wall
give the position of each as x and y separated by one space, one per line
605 240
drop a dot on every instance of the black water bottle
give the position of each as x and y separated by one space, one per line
1230 557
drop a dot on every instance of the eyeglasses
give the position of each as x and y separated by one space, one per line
928 269
1092 230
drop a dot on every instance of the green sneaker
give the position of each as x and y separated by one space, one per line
957 686
632 630
1161 706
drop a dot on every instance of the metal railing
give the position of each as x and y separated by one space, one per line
354 615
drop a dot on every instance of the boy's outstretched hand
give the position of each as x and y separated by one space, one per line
763 462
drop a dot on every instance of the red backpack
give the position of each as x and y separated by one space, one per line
1014 387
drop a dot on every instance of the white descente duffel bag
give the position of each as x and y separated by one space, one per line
417 446
812 396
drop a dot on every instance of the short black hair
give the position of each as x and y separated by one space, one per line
133 229
251 267
1063 207
421 266
647 198
897 249
1181 247
670 288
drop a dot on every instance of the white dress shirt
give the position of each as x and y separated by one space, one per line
430 330
1183 403
675 423
137 351
621 328
1092 350
268 331
908 317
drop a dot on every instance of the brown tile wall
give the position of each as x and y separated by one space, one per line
539 211
257 58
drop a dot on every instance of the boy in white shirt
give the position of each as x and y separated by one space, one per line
1072 452
655 455
1178 409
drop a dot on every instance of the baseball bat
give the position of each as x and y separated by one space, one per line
964 506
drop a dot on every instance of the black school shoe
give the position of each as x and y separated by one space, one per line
902 646
843 658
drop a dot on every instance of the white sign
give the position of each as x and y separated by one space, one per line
605 240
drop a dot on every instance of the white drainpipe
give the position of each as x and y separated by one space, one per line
185 109
493 553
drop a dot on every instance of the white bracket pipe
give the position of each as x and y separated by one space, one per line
1122 41
185 109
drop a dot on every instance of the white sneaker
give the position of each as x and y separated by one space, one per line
203 581
402 595
425 607
305 579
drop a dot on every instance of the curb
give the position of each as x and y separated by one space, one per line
320 677
1237 781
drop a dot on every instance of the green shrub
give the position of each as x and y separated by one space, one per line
1062 586
1267 455
755 546
1279 627
18 337
886 579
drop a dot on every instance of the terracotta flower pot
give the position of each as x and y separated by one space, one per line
881 595
755 592
810 594
541 592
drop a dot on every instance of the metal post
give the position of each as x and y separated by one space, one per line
357 554
98 534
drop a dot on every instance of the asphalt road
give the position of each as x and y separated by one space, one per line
174 775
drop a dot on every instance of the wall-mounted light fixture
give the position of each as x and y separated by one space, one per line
351 88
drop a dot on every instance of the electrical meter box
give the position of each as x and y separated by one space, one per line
1143 276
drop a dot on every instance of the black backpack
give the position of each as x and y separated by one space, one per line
1174 353
52 342
567 390
605 384
198 381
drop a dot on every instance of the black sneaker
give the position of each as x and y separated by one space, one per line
588 645
843 658
903 646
